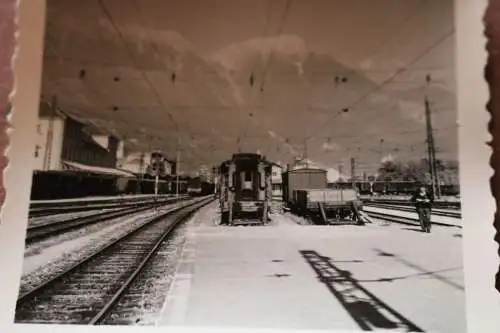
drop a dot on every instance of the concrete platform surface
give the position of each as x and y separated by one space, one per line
317 277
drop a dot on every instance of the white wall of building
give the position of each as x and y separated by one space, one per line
276 174
132 162
276 181
41 135
120 152
168 168
102 140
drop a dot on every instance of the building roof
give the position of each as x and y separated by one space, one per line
45 111
92 129
97 169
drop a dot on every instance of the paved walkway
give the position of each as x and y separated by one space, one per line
317 277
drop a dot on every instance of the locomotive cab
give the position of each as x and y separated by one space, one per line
246 182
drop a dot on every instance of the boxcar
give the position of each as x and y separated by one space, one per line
307 178
306 193
245 189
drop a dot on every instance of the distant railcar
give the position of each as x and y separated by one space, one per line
450 189
401 188
245 189
364 187
207 188
198 187
146 185
194 186
379 187
306 193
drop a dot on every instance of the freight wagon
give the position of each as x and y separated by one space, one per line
400 188
198 187
245 189
306 193
146 185
194 186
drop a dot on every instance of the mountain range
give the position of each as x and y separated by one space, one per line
272 94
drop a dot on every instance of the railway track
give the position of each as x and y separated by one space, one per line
45 230
437 212
87 292
82 206
406 220
406 203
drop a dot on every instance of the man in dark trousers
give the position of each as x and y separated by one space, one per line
423 203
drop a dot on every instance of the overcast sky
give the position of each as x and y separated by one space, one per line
376 36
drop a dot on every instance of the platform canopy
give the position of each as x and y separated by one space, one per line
73 166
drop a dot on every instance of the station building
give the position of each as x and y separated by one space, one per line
64 143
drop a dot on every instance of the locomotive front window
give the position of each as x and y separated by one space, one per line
248 176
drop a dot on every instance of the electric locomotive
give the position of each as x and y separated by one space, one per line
245 189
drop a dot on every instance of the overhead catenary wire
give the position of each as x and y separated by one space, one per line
73 111
160 55
396 73
131 54
267 64
249 106
284 74
252 81
271 55
396 30
393 31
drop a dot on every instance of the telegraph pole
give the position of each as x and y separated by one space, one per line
429 144
431 151
431 148
157 177
50 133
353 168
434 165
177 160
142 171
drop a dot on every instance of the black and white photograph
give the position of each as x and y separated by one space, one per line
282 164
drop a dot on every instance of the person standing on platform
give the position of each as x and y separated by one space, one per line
423 200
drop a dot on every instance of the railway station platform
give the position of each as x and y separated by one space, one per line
288 276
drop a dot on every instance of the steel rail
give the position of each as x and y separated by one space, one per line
46 230
406 220
82 206
100 316
38 290
436 211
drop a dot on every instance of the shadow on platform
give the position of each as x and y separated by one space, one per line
414 229
422 270
369 312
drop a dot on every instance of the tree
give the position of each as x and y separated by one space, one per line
391 171
418 171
